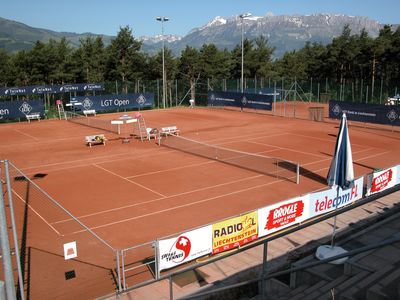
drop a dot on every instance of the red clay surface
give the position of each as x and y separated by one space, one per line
135 193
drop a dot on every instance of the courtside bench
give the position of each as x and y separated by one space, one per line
89 112
33 116
169 130
95 139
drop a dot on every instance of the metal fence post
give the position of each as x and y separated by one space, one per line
14 231
264 271
118 272
171 291
5 249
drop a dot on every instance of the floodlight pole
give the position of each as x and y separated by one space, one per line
162 20
242 16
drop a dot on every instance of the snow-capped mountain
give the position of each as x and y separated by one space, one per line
285 33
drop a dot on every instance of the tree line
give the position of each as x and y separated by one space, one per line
349 57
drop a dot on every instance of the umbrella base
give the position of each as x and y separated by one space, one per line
327 251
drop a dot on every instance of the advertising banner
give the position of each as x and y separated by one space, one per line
382 180
234 232
116 102
243 100
51 89
369 113
283 214
328 200
81 87
186 247
19 109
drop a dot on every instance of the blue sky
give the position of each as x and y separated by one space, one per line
105 16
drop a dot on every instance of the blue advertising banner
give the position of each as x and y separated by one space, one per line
51 89
243 100
19 109
81 87
116 102
368 113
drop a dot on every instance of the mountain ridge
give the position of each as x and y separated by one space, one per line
284 32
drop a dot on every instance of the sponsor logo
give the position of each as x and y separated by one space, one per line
284 214
25 108
87 103
114 102
91 87
141 100
69 88
327 204
336 110
235 232
179 250
15 91
4 112
41 89
392 115
379 183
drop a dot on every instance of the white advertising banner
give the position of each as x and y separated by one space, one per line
382 180
283 214
186 247
328 200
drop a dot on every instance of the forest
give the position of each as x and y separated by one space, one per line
353 67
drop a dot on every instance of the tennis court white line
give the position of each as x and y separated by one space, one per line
138 184
177 207
28 135
172 169
288 149
43 219
159 199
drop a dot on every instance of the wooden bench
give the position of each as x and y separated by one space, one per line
33 116
169 130
95 139
89 112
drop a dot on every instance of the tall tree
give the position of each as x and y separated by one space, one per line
122 53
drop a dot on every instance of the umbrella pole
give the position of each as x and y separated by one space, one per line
334 219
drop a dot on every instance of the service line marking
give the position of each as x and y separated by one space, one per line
178 207
159 199
28 135
131 181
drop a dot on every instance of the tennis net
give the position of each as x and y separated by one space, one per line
272 166
92 122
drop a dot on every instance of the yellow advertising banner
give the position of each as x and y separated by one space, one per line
234 232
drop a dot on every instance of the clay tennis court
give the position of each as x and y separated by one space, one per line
134 193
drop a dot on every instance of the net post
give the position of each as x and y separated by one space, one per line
297 173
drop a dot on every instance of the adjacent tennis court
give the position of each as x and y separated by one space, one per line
134 193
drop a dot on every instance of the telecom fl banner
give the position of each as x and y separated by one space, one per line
283 214
234 232
243 100
328 200
382 180
369 113
186 247
116 102
19 109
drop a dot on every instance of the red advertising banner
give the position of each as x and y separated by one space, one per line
281 215
382 180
